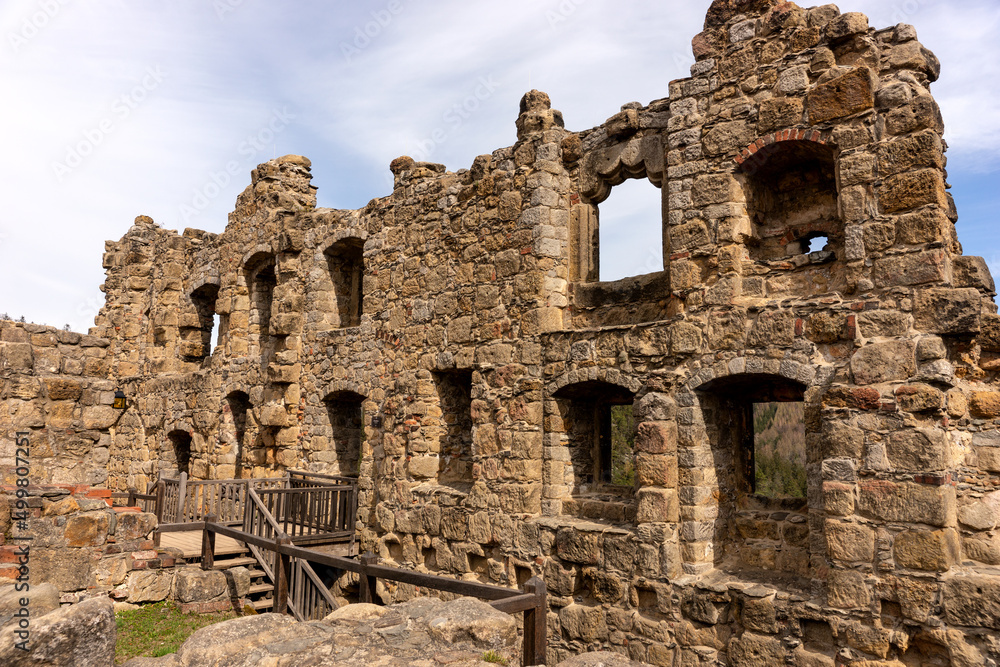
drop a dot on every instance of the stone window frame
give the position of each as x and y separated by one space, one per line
602 168
259 334
756 157
349 242
354 401
701 528
204 298
563 389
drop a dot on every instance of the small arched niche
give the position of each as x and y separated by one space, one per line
791 193
261 279
346 434
345 263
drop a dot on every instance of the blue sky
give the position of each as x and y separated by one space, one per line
119 108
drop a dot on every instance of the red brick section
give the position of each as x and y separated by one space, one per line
777 137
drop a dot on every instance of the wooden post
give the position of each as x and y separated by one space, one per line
181 491
366 583
208 544
534 624
161 492
282 575
131 499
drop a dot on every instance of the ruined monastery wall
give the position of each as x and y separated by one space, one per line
452 345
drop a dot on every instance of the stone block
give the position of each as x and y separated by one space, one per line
656 470
926 225
911 269
908 502
753 650
657 505
884 362
970 271
948 311
656 437
934 551
846 25
923 149
716 189
727 138
981 514
134 525
985 404
150 585
59 389
192 584
778 113
919 397
846 95
587 624
847 589
772 328
88 530
972 601
578 546
919 450
913 189
849 541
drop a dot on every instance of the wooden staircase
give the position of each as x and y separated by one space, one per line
261 593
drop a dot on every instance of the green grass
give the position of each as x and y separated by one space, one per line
157 629
494 657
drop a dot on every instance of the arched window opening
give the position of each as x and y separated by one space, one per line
791 189
239 407
347 432
757 429
600 434
178 454
454 393
261 281
629 235
196 338
345 262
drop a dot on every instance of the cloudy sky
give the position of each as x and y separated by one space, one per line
119 108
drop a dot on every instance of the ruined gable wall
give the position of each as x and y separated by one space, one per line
794 123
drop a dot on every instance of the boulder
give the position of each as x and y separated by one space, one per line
80 635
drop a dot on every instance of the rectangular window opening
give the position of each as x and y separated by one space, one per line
779 450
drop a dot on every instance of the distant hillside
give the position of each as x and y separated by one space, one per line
780 449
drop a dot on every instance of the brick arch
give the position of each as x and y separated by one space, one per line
757 152
593 374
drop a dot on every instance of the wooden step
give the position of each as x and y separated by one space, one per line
266 603
244 561
260 588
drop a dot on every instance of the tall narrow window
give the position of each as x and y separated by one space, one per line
600 431
261 281
179 451
239 406
346 430
454 390
197 340
345 260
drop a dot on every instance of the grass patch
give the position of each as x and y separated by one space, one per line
157 629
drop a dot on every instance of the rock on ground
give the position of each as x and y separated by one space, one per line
80 635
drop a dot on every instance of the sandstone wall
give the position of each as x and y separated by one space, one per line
451 344
54 387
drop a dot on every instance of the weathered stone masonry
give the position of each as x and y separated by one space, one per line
452 346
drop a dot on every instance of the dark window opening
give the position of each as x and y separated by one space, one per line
601 432
261 281
345 260
629 238
239 407
347 431
180 451
779 450
196 341
454 390
791 190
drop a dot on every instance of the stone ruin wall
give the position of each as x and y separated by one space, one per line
451 344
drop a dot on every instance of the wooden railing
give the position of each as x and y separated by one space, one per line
298 589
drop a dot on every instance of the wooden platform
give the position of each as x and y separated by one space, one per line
190 543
